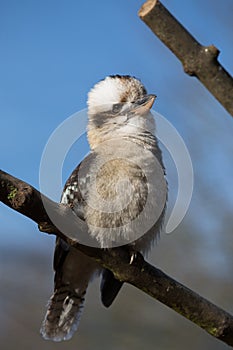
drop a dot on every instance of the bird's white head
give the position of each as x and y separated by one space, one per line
117 106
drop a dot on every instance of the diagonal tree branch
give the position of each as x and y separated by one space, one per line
25 199
200 61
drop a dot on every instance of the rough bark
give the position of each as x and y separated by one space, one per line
199 61
25 199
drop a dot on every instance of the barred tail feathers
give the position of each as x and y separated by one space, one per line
63 314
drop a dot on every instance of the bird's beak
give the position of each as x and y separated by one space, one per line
143 105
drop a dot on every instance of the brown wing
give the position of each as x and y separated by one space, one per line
73 271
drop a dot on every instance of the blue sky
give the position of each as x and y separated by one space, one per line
53 52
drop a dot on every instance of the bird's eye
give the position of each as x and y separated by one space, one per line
116 108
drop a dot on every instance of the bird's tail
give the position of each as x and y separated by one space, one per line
63 314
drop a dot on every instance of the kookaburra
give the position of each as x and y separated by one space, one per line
119 190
